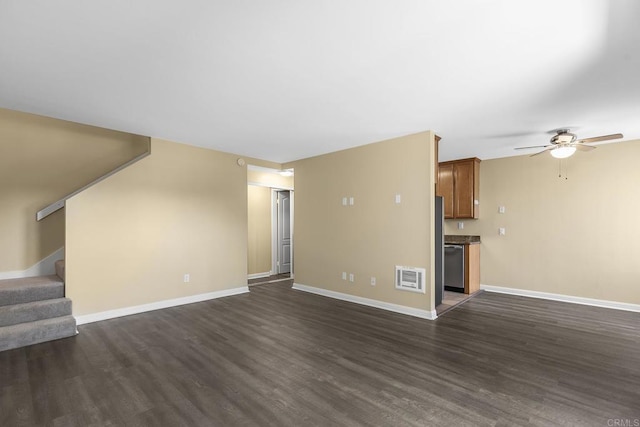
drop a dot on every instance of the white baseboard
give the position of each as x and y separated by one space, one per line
259 275
564 298
127 311
43 267
409 311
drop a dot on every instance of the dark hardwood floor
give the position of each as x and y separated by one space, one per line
279 357
451 300
269 279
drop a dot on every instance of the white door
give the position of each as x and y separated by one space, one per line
284 231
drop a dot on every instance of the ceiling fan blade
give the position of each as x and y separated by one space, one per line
533 146
543 151
583 147
601 138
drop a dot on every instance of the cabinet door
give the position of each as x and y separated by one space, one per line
463 174
445 188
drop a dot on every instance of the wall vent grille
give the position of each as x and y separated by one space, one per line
410 279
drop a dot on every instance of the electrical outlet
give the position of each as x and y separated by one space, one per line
344 201
398 199
501 209
460 225
373 281
502 231
352 277
344 275
187 278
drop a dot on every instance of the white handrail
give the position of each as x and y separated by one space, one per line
59 204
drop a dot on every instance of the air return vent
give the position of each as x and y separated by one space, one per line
410 279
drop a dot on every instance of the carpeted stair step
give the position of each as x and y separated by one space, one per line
33 311
24 334
28 289
60 268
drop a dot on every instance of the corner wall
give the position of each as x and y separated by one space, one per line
132 237
374 235
259 230
41 161
575 236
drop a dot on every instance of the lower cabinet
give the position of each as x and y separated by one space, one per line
471 268
462 267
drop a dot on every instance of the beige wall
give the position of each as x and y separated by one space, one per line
259 230
373 236
42 160
273 180
575 236
132 237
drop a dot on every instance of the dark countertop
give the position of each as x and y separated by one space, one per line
452 239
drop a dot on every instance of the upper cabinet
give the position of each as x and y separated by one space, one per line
459 185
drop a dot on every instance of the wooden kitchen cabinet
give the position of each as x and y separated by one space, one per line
459 185
471 268
445 187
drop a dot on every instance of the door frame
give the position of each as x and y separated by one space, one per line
274 228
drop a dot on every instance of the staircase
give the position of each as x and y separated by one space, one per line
34 310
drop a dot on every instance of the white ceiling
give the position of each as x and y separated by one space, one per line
288 79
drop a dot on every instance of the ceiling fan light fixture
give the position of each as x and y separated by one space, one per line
563 152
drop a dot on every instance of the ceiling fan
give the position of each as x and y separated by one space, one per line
564 143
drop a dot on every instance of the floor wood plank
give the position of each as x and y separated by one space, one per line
282 357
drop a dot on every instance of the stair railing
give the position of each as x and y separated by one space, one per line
59 204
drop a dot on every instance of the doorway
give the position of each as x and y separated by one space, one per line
281 239
282 232
270 230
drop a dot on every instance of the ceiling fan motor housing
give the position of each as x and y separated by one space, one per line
563 137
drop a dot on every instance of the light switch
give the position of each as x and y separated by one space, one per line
501 209
344 201
351 201
398 199
351 277
502 231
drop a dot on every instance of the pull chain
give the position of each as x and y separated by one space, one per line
560 170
